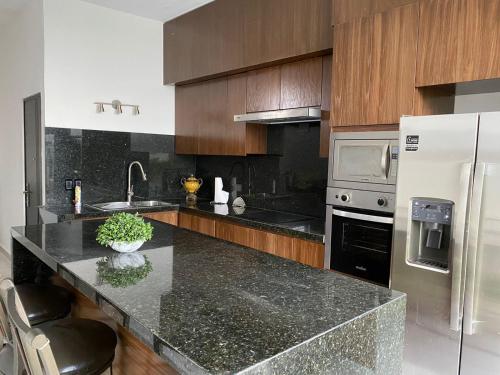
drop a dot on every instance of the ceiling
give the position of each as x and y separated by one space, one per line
161 10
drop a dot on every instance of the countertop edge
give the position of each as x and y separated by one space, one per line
318 238
258 225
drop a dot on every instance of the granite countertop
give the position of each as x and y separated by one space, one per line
68 212
305 227
211 307
302 226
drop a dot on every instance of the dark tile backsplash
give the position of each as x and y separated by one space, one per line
292 177
101 159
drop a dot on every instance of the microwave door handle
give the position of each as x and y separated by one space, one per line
372 218
458 247
384 162
472 249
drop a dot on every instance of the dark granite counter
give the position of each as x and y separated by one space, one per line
306 227
211 307
67 212
301 226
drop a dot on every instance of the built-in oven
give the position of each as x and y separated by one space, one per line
360 204
360 243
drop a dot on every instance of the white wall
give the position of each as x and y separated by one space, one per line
478 96
21 75
98 54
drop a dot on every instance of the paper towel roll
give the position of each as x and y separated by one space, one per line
218 185
221 197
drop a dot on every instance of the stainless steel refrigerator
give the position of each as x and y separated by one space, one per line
446 249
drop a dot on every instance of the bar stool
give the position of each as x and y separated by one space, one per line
44 303
66 347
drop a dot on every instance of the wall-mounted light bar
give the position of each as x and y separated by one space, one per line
117 106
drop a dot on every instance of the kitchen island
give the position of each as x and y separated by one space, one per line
207 306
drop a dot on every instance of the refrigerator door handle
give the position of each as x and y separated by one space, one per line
458 248
472 249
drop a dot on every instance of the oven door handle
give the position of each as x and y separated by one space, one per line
372 218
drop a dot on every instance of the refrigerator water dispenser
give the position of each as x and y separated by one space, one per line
429 242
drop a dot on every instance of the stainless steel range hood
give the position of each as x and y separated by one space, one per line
284 116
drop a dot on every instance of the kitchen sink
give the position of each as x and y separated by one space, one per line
151 204
117 206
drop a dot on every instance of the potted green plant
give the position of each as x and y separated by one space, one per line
124 232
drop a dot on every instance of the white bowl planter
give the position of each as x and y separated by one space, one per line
126 247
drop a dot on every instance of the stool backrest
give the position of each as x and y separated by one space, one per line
32 344
5 334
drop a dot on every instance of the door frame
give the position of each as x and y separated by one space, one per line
41 158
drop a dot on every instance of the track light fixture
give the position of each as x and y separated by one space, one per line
117 106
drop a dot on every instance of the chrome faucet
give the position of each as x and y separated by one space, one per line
130 188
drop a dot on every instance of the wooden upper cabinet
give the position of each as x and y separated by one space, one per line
291 85
280 29
301 83
212 118
349 10
204 119
226 36
203 41
326 90
459 41
187 108
374 68
263 89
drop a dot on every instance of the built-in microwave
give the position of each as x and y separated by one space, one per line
363 158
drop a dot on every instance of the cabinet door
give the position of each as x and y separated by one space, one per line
204 117
212 117
349 10
459 41
310 253
374 68
326 91
169 217
187 107
301 83
235 132
438 42
232 233
480 40
263 89
197 223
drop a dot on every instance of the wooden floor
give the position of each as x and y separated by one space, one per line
4 264
132 356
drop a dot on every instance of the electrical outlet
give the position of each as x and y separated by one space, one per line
68 184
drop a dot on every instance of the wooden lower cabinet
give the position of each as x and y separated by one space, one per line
303 251
169 217
197 223
299 250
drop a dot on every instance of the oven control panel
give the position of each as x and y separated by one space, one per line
363 199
